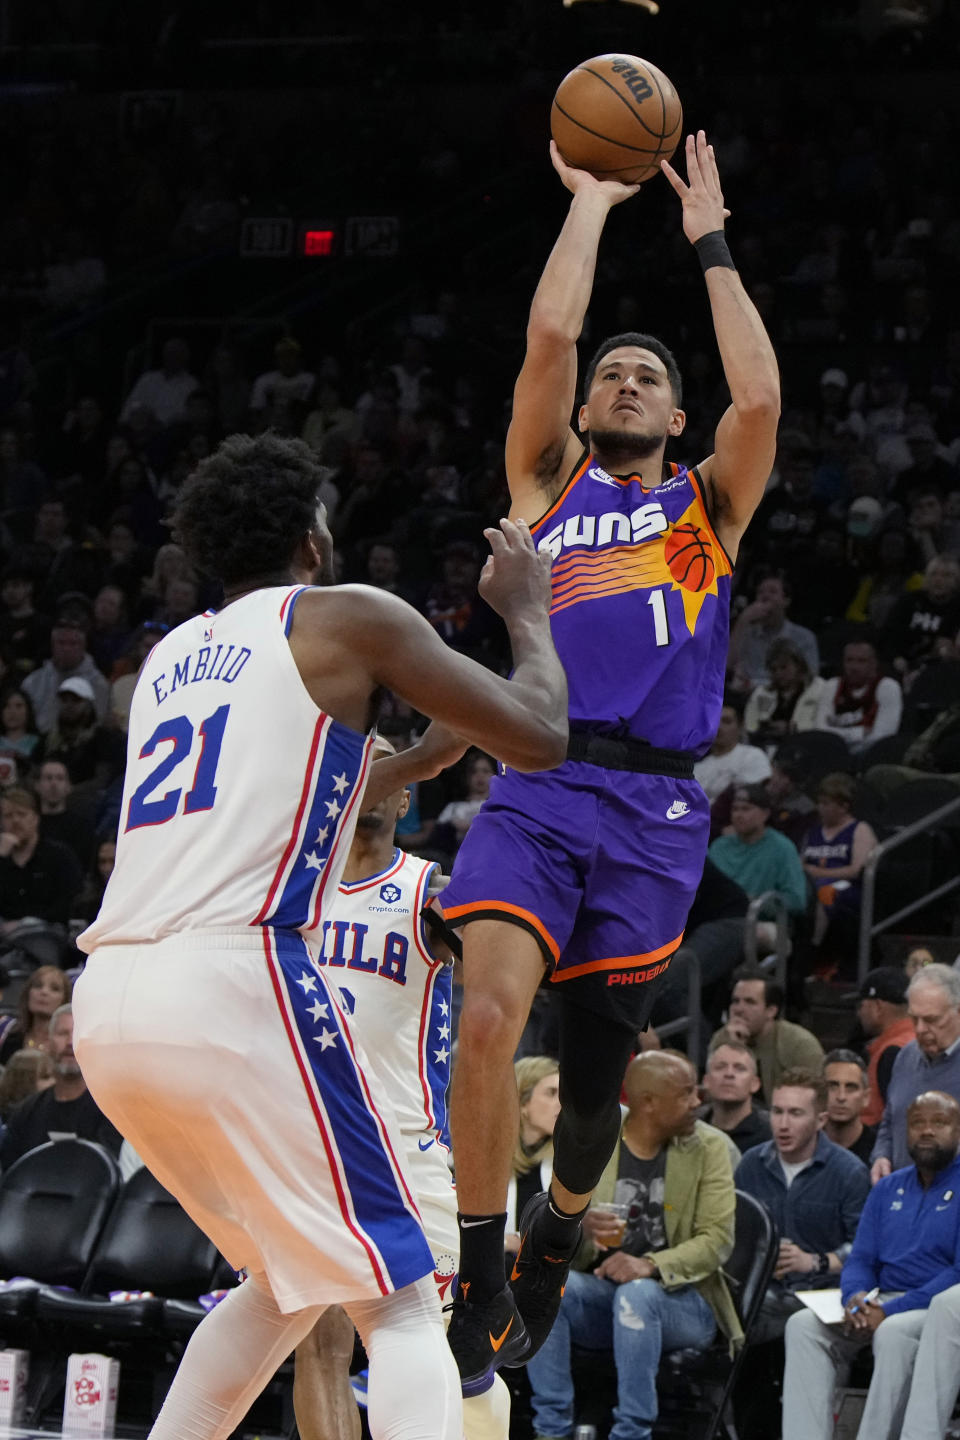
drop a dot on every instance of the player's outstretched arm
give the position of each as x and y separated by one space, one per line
522 721
745 442
541 447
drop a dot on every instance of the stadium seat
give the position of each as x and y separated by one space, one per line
54 1203
936 687
149 1243
820 751
887 751
695 1386
917 798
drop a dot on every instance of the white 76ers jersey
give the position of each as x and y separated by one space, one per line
375 953
240 797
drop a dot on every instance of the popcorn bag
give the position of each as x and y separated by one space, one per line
14 1367
90 1399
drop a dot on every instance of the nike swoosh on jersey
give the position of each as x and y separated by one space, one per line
421 1146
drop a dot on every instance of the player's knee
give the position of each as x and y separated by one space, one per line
489 1024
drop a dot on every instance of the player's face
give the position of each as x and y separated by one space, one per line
631 399
846 1095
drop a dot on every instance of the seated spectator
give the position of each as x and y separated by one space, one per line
26 1073
455 609
43 993
163 393
814 1191
754 1020
538 1091
905 1254
284 390
110 631
88 902
90 751
931 1061
453 822
892 570
882 1012
715 931
660 1285
848 1089
128 670
69 660
57 820
757 857
936 751
730 761
792 806
760 624
19 735
833 855
730 1083
917 959
924 617
860 704
38 878
66 1108
785 703
24 634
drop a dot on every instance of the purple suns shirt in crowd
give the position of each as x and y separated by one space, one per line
641 599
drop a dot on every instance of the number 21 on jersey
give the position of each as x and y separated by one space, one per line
179 733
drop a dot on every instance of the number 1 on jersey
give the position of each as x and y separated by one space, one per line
661 629
179 732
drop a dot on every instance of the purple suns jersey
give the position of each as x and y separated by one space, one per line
641 601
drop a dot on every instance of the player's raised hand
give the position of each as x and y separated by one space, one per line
613 191
701 196
515 581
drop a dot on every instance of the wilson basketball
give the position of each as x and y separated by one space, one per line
689 557
617 116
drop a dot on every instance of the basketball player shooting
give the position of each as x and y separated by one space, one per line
204 1027
590 870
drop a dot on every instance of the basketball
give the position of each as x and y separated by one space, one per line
689 557
616 116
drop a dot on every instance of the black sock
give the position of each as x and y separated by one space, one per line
556 1229
482 1271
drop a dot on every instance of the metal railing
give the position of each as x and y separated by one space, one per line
774 899
691 1023
870 927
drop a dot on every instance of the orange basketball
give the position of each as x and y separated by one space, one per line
617 116
689 557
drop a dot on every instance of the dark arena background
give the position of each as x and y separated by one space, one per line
328 220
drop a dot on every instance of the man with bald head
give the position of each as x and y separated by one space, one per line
906 1255
658 1286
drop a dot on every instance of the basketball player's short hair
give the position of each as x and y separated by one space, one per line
242 511
642 342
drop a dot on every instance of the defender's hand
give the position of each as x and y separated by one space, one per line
515 581
702 198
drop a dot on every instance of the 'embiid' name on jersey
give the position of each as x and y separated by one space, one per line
220 662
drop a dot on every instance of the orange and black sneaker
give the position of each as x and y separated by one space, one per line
538 1277
483 1335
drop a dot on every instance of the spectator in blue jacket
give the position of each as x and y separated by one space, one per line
814 1190
906 1253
